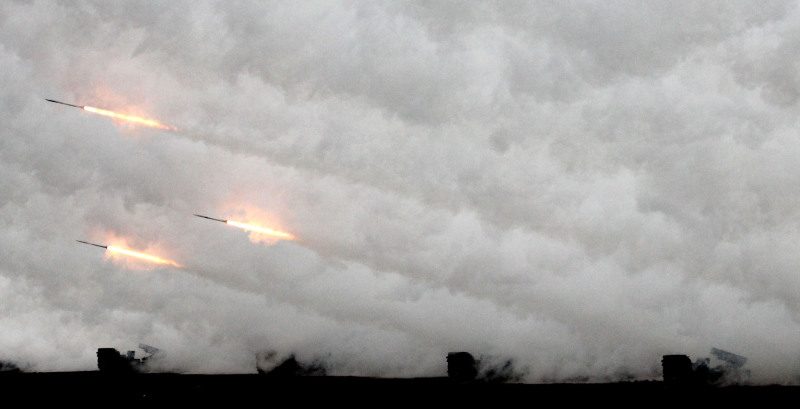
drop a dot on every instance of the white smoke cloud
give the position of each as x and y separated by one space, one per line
578 187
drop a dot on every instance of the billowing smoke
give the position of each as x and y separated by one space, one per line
577 187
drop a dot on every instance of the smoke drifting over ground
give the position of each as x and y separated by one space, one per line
575 188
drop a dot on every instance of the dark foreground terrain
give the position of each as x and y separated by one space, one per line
263 391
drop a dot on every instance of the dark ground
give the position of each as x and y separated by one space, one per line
146 390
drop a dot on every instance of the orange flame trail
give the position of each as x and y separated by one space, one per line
262 230
129 118
143 256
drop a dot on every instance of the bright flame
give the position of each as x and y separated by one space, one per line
129 118
282 235
142 256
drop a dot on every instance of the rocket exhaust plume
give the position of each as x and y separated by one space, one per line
152 123
132 119
131 253
277 234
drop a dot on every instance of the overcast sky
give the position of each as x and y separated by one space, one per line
581 187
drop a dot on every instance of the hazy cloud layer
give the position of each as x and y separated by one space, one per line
578 186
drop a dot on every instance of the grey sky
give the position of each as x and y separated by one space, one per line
579 186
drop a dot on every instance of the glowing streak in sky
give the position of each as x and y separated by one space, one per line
262 230
128 118
142 256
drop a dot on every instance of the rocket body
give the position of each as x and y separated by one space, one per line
212 218
92 244
63 103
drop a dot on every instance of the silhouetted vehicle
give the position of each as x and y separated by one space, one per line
461 366
109 360
679 370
